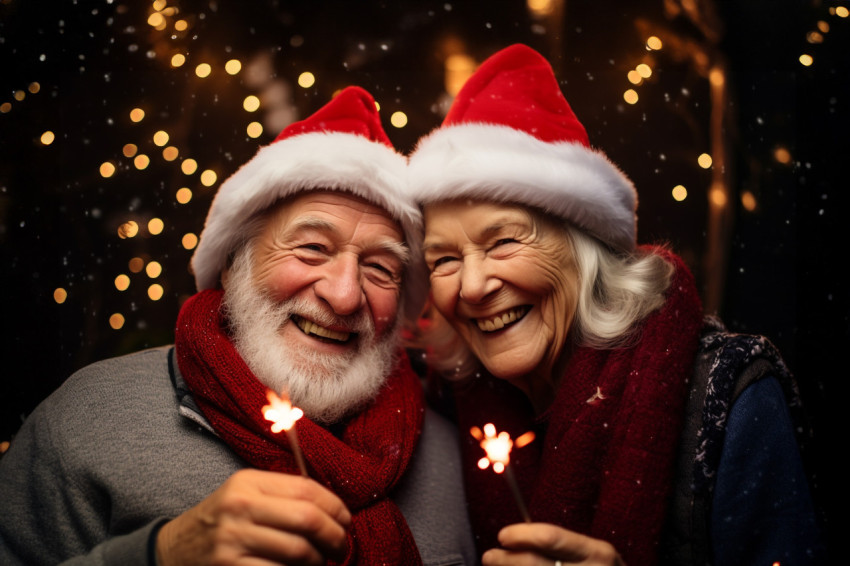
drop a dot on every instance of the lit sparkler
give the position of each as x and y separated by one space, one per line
283 416
498 449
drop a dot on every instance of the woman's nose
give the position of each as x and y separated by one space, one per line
477 281
341 287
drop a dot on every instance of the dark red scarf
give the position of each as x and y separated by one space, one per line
599 466
362 466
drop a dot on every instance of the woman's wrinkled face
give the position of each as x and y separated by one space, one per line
504 277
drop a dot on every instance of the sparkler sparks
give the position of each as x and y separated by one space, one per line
283 416
498 453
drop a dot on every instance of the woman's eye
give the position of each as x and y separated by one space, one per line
442 261
312 247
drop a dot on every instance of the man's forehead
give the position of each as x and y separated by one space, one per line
328 200
339 215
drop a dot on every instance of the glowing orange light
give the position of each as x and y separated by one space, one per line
281 412
283 416
497 446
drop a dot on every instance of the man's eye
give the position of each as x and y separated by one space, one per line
504 241
312 247
382 268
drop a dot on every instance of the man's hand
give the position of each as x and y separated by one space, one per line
258 517
545 544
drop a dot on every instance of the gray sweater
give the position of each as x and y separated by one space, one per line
112 453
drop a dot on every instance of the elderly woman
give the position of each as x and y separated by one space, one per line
549 318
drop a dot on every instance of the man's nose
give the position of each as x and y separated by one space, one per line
341 287
477 280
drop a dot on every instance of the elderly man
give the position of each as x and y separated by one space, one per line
308 255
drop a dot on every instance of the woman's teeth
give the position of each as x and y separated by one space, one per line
501 320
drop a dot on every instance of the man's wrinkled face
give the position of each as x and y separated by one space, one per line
505 279
313 302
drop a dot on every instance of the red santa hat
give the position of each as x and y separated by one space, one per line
342 147
510 136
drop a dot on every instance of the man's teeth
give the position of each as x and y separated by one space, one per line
500 321
312 328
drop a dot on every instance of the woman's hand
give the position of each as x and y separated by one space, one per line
532 544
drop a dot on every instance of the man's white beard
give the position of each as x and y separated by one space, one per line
327 387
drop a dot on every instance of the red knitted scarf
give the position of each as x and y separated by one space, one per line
602 462
362 466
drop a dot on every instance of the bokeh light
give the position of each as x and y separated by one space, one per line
107 169
155 292
189 241
116 321
183 195
153 269
60 295
306 80
155 226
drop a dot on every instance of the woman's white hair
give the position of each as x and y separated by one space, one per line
616 291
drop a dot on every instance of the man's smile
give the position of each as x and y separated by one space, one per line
312 329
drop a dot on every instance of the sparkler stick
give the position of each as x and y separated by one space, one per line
283 416
498 453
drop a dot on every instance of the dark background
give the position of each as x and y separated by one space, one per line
96 60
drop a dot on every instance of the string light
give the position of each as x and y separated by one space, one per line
153 269
155 226
251 103
155 292
189 166
306 79
398 119
233 66
208 178
183 195
254 130
116 321
107 169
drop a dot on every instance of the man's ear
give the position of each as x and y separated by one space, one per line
225 277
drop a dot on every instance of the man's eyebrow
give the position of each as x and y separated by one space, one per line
398 249
311 223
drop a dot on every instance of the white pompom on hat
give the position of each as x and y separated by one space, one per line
511 137
341 147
